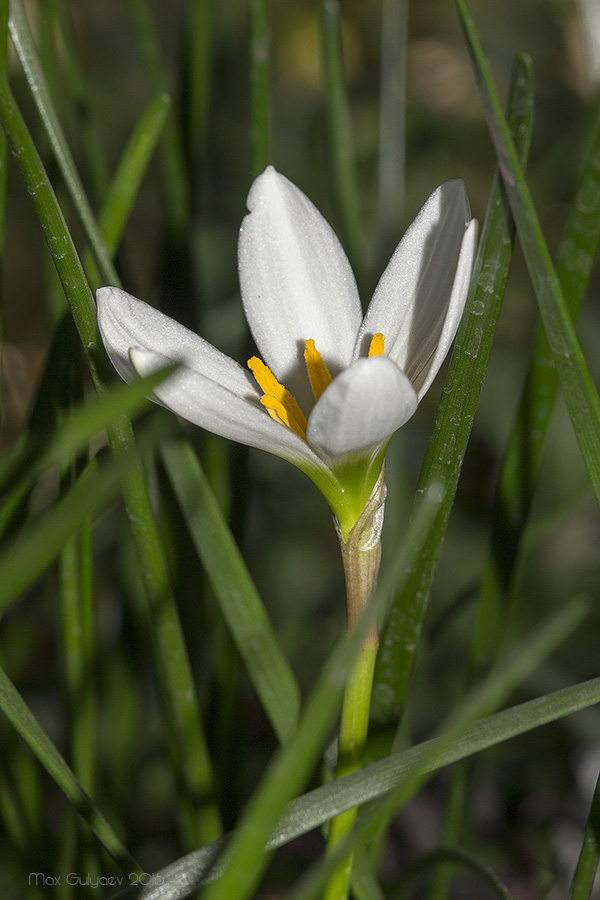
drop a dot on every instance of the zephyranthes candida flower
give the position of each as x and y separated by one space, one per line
330 387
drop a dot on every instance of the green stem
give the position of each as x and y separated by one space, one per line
361 556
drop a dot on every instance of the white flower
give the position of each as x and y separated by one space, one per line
334 386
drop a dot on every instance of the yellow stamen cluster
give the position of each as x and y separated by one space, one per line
277 400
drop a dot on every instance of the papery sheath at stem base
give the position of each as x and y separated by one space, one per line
361 556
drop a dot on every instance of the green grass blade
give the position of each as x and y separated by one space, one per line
453 421
294 763
20 716
26 50
173 158
130 171
589 857
239 602
38 544
200 55
318 806
521 465
199 815
578 388
126 182
489 696
341 138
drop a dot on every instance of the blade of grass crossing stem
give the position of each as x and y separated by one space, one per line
259 74
239 602
20 716
318 806
190 756
578 388
453 420
587 864
489 696
295 761
343 164
26 50
516 485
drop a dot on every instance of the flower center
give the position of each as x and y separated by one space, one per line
277 400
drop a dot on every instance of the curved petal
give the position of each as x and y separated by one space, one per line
413 298
126 322
296 282
423 376
204 402
361 408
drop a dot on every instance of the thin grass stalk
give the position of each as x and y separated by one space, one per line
341 138
453 421
188 744
26 49
172 155
316 807
578 387
525 449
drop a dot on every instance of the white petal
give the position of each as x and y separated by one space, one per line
361 408
208 404
296 282
126 322
456 307
425 281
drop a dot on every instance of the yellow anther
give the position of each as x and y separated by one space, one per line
318 372
277 400
376 347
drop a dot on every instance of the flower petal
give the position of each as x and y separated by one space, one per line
361 408
296 283
204 402
127 322
424 284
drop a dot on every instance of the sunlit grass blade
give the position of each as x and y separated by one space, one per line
454 418
199 816
373 782
341 138
239 602
578 388
25 47
589 857
20 716
520 469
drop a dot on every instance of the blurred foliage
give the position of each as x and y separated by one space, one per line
525 804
